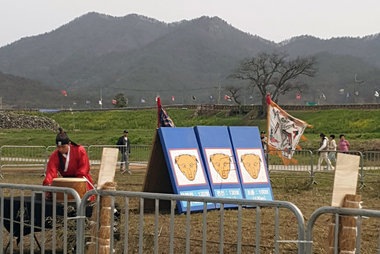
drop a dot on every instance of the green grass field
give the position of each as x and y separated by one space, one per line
361 127
101 128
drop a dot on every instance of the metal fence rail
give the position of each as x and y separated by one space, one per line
371 160
302 161
22 157
144 228
150 223
37 157
324 168
362 217
24 211
139 153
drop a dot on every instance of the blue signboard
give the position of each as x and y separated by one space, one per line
185 165
216 149
251 163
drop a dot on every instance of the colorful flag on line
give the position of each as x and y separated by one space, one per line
163 118
64 92
284 132
376 94
114 102
173 99
100 102
227 98
298 97
142 100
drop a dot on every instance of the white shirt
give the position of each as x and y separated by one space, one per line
332 145
324 144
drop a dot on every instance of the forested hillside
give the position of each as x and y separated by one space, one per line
97 56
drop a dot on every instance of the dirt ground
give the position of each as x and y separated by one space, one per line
291 186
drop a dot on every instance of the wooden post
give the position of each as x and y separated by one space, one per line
105 182
103 233
347 227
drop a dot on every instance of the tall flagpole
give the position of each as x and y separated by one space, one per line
101 99
268 104
158 111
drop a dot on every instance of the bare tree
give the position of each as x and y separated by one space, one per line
235 93
274 73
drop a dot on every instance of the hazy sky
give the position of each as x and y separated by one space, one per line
275 20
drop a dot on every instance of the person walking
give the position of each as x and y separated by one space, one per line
332 148
344 145
264 141
323 152
124 146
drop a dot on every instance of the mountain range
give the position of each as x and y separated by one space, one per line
97 56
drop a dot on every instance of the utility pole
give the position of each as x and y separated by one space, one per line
101 99
219 93
356 88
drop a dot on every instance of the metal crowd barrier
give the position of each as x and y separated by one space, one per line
145 228
150 223
302 161
22 157
370 228
371 160
25 213
139 153
36 157
371 166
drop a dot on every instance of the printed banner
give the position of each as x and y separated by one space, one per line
185 165
251 162
284 132
216 149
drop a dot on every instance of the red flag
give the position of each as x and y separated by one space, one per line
163 120
114 102
227 98
64 93
298 97
173 98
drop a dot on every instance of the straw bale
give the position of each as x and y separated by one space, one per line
109 186
91 247
330 239
347 239
104 249
347 227
348 221
352 201
103 242
105 201
105 215
104 232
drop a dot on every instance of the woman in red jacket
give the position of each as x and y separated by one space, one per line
69 160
